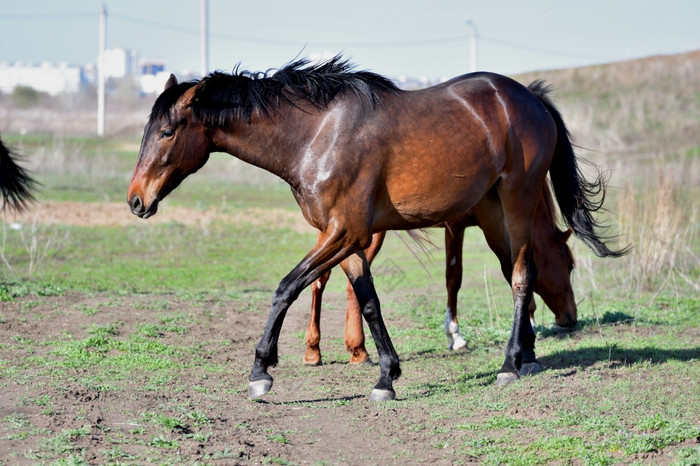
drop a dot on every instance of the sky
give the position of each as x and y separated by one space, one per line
423 38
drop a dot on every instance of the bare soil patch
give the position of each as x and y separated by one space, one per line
118 214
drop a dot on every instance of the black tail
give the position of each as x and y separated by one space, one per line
16 184
577 197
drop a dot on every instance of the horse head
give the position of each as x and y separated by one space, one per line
555 262
174 145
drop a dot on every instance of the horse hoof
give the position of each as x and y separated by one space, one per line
458 344
530 368
257 388
382 395
313 362
504 378
365 362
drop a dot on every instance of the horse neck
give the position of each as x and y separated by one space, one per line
271 143
545 216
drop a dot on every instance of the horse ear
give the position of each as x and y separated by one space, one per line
565 235
172 81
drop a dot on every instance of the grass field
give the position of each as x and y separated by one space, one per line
128 342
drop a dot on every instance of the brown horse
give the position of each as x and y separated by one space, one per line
362 156
553 259
15 182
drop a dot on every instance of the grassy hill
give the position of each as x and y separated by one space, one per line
634 107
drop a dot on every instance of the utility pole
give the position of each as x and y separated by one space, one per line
101 74
205 37
474 44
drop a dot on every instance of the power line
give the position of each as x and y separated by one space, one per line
361 44
559 53
297 44
46 16
154 24
282 42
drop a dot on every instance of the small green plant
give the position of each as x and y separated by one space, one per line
117 453
5 294
162 442
280 438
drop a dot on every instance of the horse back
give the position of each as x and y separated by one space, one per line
447 145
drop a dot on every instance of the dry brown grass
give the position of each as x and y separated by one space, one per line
661 222
630 107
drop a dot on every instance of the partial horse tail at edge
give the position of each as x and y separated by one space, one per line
577 197
16 184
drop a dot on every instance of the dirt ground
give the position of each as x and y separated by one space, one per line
323 415
312 415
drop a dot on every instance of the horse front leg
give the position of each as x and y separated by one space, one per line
354 333
330 250
454 241
357 270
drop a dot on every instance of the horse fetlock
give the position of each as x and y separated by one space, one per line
358 355
530 368
451 327
456 341
265 359
390 370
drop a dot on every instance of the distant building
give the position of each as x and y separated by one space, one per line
152 76
150 66
52 79
119 63
149 75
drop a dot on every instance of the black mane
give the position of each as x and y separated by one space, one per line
221 98
166 100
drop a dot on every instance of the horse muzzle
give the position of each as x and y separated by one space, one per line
140 209
566 321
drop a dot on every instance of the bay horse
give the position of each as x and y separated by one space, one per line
16 183
362 156
552 256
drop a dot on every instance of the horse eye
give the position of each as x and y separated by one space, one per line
166 133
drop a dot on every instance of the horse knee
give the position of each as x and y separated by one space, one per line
370 310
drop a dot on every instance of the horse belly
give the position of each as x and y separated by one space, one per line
431 197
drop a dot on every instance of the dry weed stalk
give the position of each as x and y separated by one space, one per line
37 243
659 223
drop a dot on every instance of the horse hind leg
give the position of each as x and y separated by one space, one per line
354 333
454 241
357 270
521 345
530 364
312 357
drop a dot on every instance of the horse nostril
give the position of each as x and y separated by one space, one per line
136 204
